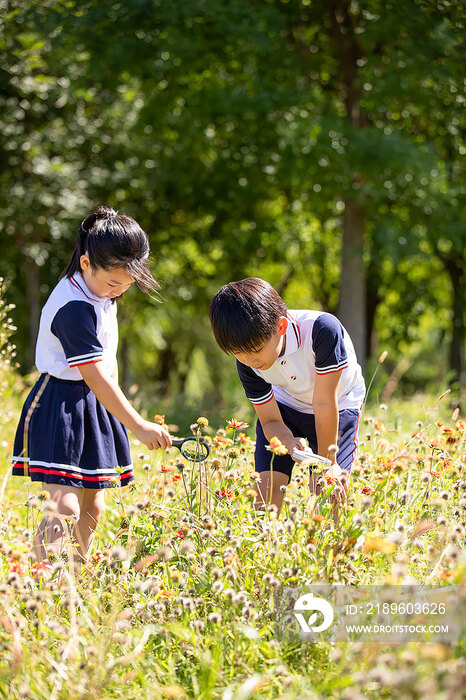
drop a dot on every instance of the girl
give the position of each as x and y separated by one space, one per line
72 434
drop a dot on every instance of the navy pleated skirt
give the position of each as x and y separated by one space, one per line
65 436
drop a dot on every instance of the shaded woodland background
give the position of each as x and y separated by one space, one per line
316 143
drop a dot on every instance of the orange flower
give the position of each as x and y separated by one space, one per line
379 545
277 447
234 424
159 418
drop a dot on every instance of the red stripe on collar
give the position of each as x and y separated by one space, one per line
297 329
75 284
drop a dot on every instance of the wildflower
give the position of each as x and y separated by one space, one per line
379 545
202 422
187 547
234 424
215 617
276 446
44 495
176 477
227 493
180 534
164 469
118 554
159 418
242 437
164 553
195 428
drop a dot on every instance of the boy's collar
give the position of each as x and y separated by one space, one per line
293 337
77 280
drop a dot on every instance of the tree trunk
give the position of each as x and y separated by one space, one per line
373 299
455 272
352 301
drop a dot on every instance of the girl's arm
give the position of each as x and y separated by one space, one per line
110 395
115 372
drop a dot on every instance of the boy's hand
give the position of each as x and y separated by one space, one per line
296 444
153 436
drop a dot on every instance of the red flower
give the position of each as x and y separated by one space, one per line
180 534
226 494
234 424
367 489
177 477
164 468
432 473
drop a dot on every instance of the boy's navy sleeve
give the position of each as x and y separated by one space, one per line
328 345
75 326
257 389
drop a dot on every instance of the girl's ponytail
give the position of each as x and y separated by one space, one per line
113 240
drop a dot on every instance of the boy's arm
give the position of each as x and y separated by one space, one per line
273 426
326 412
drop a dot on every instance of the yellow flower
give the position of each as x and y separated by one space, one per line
203 422
277 447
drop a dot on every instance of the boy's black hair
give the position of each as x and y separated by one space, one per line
245 314
113 240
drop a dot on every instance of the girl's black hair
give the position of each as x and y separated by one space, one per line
245 314
113 240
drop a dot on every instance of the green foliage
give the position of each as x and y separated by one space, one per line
226 130
177 599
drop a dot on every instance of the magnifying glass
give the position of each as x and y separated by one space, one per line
191 448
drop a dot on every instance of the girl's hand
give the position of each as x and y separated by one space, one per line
153 436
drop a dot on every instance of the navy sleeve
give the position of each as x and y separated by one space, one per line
328 345
257 389
75 326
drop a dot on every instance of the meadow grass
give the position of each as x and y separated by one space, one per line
178 597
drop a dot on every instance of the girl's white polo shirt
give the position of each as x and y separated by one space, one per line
316 343
76 328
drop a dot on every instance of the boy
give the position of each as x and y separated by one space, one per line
299 370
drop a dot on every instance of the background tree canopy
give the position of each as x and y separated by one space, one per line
315 143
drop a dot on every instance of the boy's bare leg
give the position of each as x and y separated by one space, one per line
50 536
92 506
269 489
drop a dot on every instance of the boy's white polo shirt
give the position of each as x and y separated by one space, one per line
316 343
76 328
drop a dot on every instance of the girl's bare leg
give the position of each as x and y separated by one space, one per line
51 533
92 506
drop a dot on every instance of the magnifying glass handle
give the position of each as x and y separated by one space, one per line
309 456
177 442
